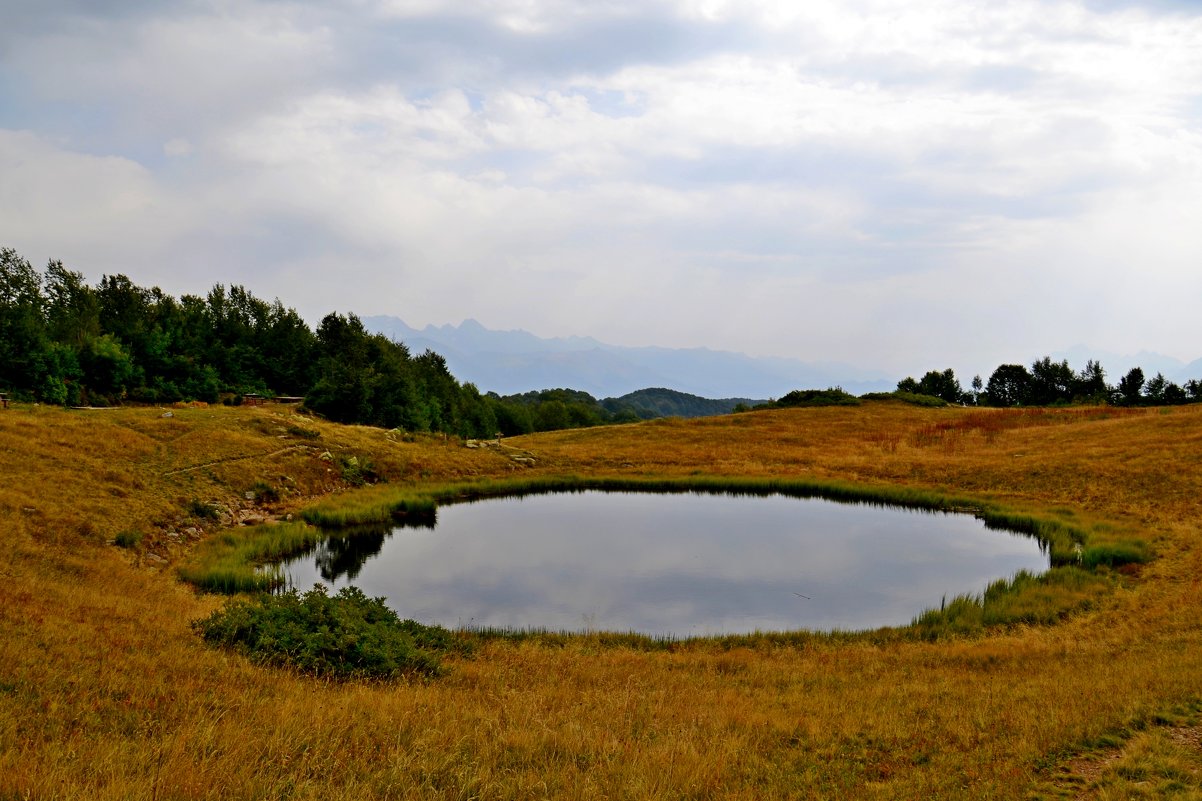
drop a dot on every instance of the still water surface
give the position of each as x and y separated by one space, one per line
675 565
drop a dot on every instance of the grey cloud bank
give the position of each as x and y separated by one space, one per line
899 186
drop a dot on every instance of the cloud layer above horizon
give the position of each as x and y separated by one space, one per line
905 186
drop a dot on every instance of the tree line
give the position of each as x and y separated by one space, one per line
1050 383
65 342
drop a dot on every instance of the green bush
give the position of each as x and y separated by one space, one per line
128 539
344 636
834 396
201 510
265 493
358 470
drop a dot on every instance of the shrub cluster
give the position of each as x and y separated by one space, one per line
914 399
343 636
834 396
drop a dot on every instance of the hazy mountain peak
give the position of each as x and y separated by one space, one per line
1117 365
516 361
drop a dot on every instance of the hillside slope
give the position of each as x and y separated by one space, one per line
106 693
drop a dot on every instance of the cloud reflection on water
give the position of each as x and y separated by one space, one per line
678 564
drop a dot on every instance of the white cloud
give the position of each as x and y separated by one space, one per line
53 200
178 147
936 182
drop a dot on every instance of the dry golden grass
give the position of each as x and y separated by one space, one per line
105 692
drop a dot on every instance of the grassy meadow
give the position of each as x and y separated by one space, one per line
107 693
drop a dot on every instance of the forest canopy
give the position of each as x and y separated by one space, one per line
65 342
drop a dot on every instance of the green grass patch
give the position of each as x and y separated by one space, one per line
264 492
1024 599
358 470
304 433
1115 554
229 561
344 636
374 506
128 539
201 510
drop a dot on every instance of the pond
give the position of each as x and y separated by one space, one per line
672 565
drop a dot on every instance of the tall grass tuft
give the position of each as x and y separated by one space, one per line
1115 554
1023 599
229 562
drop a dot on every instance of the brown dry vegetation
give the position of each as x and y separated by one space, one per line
106 693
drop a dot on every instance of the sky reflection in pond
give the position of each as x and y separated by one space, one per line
672 564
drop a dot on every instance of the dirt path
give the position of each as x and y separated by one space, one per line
229 459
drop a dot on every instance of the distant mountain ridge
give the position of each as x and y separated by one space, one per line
516 361
513 362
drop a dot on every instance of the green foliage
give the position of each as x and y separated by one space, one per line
1010 385
229 561
304 433
1024 599
1051 382
367 378
64 342
265 493
358 509
943 385
357 470
1130 387
1090 385
1115 554
345 636
834 396
553 409
107 368
647 404
201 510
928 401
128 539
24 344
1159 391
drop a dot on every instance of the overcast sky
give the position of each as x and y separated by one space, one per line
903 185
